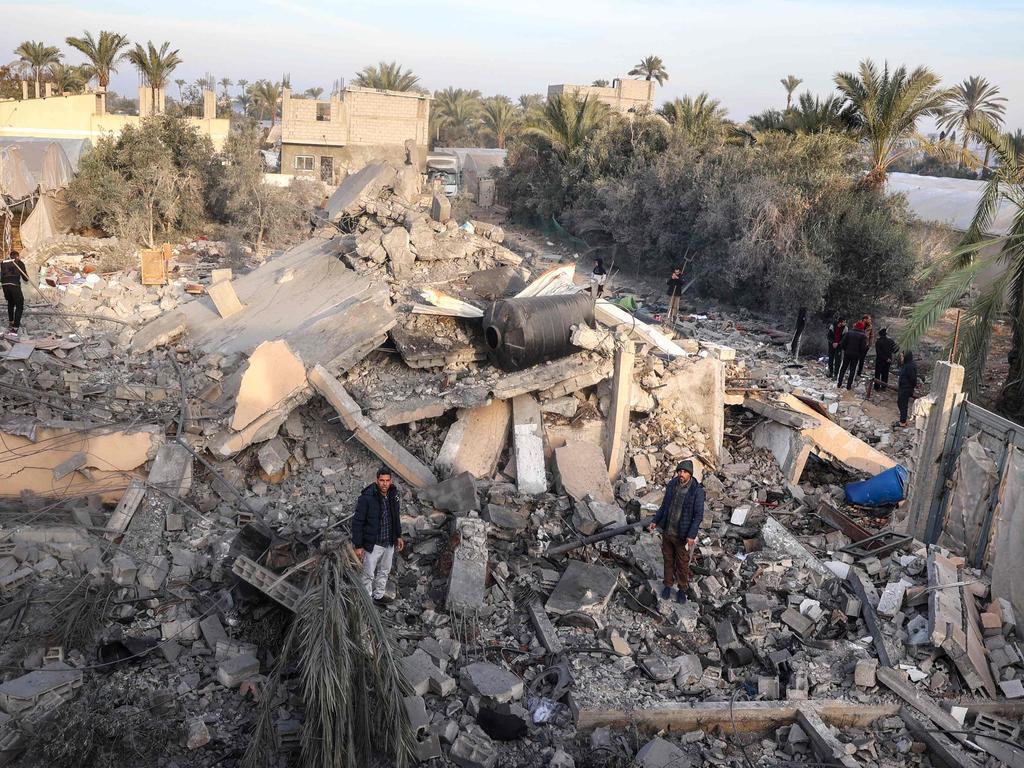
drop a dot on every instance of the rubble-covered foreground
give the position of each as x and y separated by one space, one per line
176 470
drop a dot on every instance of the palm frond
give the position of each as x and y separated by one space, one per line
976 331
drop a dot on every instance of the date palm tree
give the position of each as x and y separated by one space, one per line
456 111
225 84
103 53
180 82
265 96
566 122
790 83
814 115
155 65
38 56
66 79
315 93
387 76
974 100
885 107
981 251
500 117
650 68
700 118
529 101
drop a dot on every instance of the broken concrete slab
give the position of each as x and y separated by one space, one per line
376 440
475 441
474 750
491 681
582 471
23 694
582 587
659 753
789 446
169 480
777 537
234 671
273 457
456 494
528 439
224 298
366 184
424 676
695 390
273 376
617 428
466 583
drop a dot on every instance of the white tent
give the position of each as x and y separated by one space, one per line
52 216
16 181
56 171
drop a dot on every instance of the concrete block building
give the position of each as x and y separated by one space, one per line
327 139
624 96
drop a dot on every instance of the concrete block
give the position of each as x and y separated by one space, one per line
475 441
416 709
864 673
456 494
424 676
154 572
582 471
491 681
198 734
467 579
473 750
582 587
528 442
232 672
659 753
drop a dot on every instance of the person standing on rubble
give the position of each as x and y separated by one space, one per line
906 386
12 275
675 292
836 332
869 331
376 533
679 518
854 347
885 349
801 323
599 277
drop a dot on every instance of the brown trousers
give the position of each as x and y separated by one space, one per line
673 306
677 561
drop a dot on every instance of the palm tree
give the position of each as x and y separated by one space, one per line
103 53
315 93
225 83
650 68
155 65
456 111
66 79
38 56
265 96
567 122
814 115
1016 140
790 83
500 118
242 84
180 82
769 120
973 100
387 76
529 101
699 118
885 107
981 251
245 102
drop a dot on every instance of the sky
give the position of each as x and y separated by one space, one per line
737 51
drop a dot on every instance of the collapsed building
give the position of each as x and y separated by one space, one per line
175 456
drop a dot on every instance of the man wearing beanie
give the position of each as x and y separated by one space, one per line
678 519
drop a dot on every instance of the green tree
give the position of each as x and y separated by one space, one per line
66 79
885 108
387 76
600 83
975 100
530 101
980 252
700 119
650 68
500 117
567 122
315 93
38 56
1016 141
768 120
455 113
790 83
155 65
265 96
103 53
225 84
814 115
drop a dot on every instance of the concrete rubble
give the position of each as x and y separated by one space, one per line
171 466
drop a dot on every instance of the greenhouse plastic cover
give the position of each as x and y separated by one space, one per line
942 200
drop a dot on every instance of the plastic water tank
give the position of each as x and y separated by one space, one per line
522 332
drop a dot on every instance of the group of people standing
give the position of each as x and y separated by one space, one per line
848 350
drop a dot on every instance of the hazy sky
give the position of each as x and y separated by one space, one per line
736 50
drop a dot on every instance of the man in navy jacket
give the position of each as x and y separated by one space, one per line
678 519
377 532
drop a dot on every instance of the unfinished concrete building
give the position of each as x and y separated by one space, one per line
623 95
329 138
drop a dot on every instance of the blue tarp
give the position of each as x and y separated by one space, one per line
887 487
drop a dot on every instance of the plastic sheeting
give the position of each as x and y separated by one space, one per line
16 181
51 216
56 172
1008 539
974 479
941 200
73 148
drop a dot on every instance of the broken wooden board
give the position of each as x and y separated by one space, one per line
475 441
224 298
833 443
376 440
528 440
113 454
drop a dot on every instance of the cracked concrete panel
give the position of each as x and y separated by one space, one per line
275 374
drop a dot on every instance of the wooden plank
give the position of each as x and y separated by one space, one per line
376 440
942 749
826 746
153 267
225 298
748 716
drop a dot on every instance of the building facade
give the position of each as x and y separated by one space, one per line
624 96
327 139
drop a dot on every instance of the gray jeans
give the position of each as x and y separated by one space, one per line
376 569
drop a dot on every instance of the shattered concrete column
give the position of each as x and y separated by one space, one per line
170 477
475 441
925 483
528 435
466 590
617 429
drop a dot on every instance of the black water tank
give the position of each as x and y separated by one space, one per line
524 332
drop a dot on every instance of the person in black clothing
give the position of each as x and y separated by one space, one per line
905 387
675 291
854 346
599 276
836 332
377 532
885 350
12 275
801 323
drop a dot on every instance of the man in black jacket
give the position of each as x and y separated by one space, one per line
906 385
854 346
678 518
835 333
376 532
885 350
12 275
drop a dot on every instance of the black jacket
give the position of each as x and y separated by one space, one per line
885 348
908 374
366 522
12 272
693 509
675 286
855 344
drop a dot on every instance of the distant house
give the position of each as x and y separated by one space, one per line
329 138
623 95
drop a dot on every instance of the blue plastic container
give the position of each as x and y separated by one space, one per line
887 487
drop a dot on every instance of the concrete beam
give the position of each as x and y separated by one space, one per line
475 441
617 428
528 438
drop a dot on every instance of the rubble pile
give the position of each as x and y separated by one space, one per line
182 455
